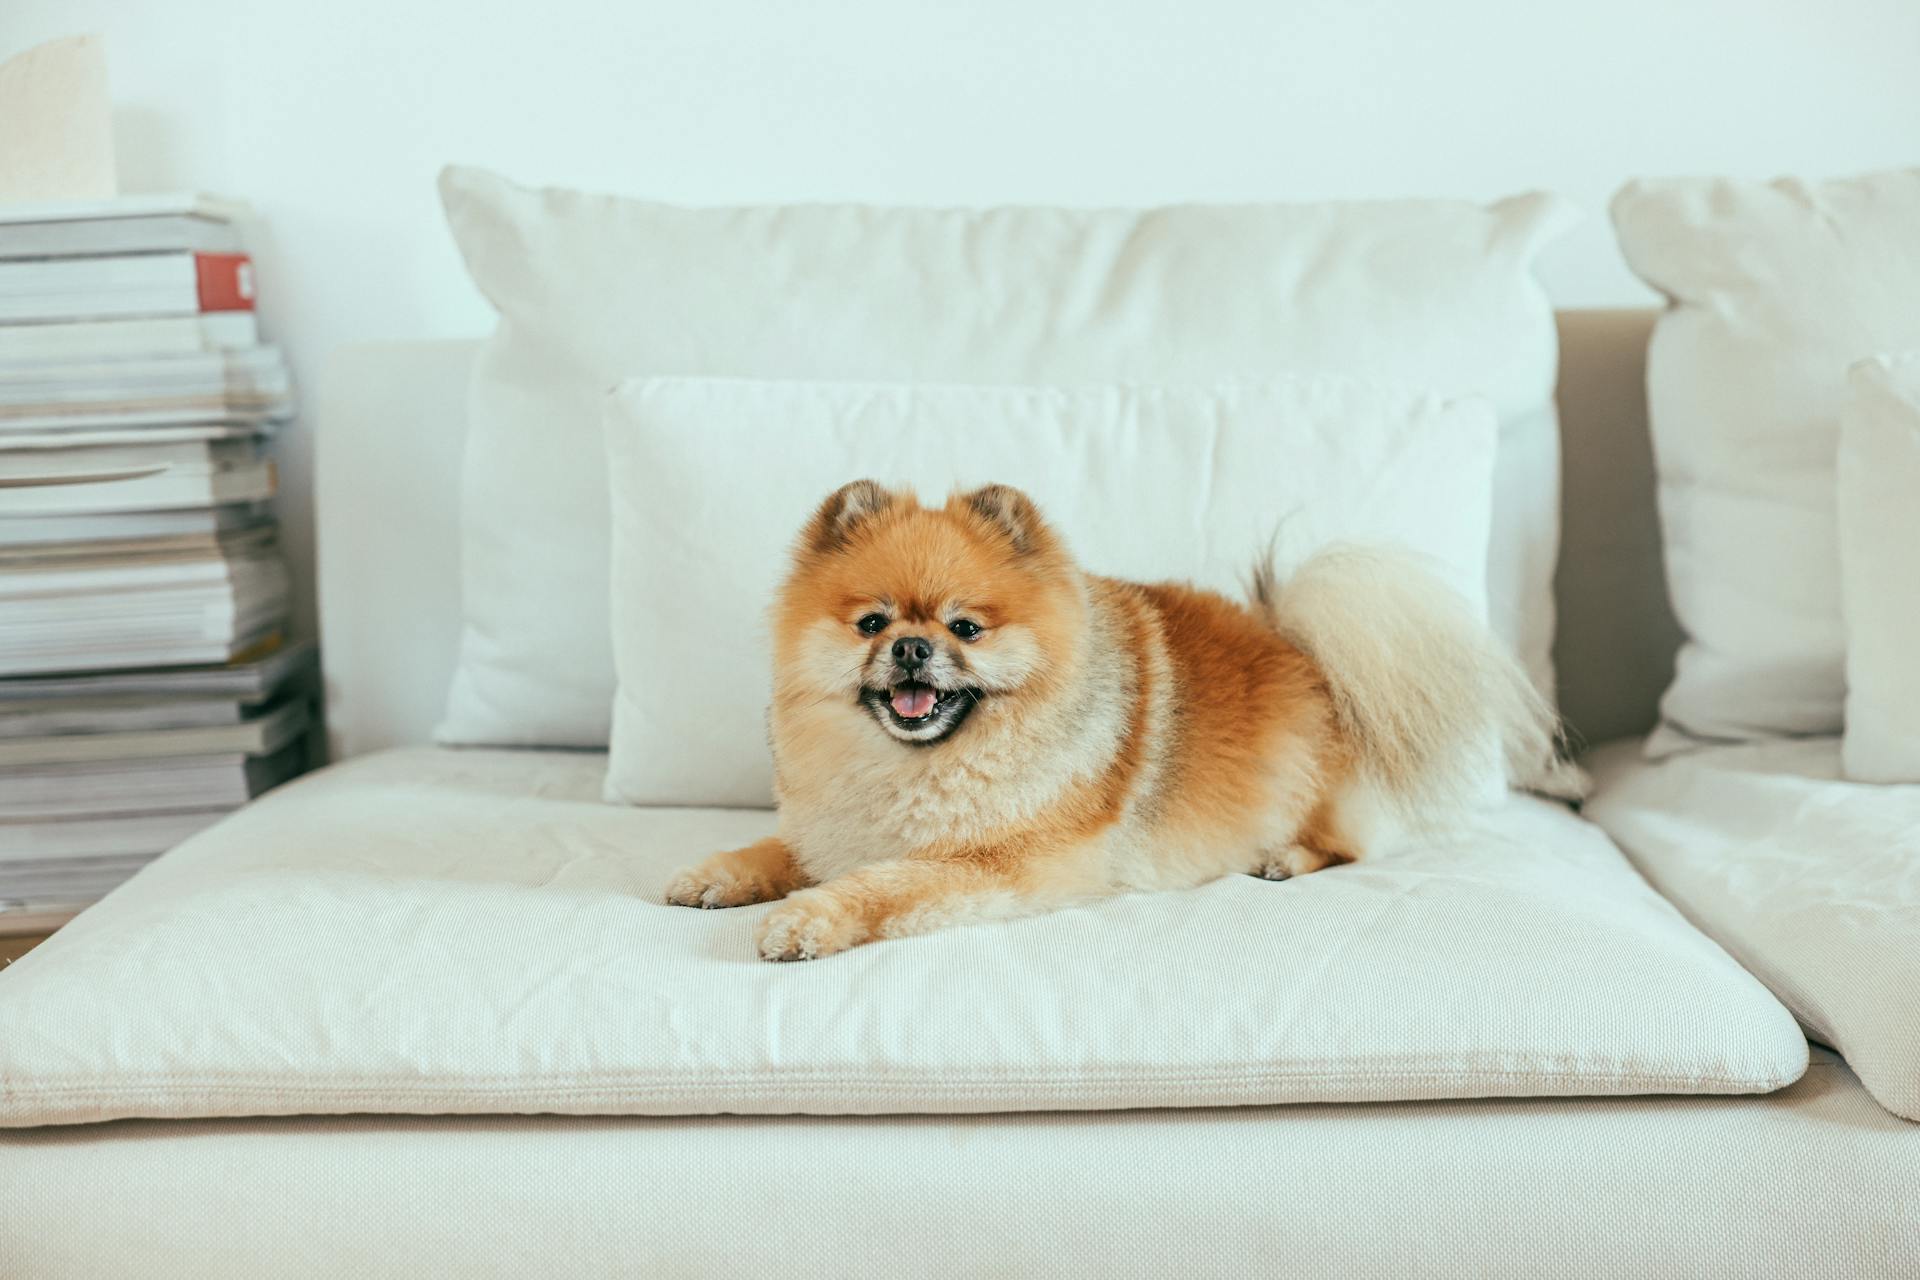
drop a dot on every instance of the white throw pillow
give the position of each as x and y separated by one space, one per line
437 931
1880 569
1811 882
1774 289
713 479
591 289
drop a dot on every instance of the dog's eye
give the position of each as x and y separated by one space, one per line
966 628
873 624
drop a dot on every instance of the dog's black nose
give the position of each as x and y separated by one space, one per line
912 651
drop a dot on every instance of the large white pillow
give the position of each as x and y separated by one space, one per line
1773 291
1880 569
472 931
591 289
1811 882
712 480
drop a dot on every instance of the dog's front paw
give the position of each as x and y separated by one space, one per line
761 872
695 887
717 883
808 925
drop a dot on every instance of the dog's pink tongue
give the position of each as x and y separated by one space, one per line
911 704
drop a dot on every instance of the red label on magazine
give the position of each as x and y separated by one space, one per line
226 281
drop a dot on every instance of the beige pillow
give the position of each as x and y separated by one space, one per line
1774 289
592 289
1147 483
448 931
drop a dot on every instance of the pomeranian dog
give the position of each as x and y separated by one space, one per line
967 726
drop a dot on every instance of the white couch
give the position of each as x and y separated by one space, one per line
1815 1179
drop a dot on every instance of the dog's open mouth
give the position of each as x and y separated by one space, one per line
919 713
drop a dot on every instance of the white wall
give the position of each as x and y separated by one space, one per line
332 117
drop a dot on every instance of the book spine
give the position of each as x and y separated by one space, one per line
226 281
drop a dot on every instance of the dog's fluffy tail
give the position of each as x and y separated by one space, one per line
1428 694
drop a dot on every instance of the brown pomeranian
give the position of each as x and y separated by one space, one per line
967 726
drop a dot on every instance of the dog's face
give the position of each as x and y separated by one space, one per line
918 618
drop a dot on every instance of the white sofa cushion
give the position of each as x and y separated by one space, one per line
1879 497
1442 1189
473 931
592 289
1811 882
712 480
1774 289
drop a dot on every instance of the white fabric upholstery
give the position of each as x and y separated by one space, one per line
1811 882
1880 570
386 497
1775 290
1614 632
592 289
465 931
712 480
389 587
1814 1181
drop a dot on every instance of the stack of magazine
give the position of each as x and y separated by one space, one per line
146 686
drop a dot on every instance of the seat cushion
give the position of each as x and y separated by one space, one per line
1814 1181
445 931
1811 881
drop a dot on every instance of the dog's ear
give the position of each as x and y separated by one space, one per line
845 509
1010 512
